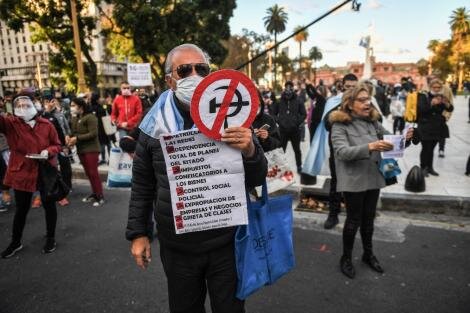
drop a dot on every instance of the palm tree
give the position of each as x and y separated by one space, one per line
301 36
275 23
460 26
460 22
433 44
315 55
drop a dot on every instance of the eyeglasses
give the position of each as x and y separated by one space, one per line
184 70
363 100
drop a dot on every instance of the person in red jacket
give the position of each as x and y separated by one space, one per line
27 133
127 110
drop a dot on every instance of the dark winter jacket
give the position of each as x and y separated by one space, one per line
58 127
99 111
85 128
274 139
317 111
151 194
289 112
431 123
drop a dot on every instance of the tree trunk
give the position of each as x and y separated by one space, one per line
274 63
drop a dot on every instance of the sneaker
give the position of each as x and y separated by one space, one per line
11 250
102 162
63 202
3 208
99 201
90 198
50 245
36 202
441 153
6 198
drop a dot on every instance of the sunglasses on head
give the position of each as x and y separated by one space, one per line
184 70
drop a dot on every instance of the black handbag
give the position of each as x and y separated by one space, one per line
51 184
415 180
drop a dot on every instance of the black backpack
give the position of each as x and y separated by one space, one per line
415 180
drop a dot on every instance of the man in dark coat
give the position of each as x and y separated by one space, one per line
268 136
198 261
289 114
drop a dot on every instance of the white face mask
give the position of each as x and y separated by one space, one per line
74 111
26 114
185 89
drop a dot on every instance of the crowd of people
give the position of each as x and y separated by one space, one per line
347 115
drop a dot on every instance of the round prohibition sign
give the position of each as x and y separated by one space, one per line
226 98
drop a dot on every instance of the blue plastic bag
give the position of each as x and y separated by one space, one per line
263 249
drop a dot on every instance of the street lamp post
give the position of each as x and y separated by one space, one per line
78 49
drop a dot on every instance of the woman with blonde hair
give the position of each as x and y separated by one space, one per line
432 126
357 139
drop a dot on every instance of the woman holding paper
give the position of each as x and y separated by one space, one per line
355 137
432 126
31 139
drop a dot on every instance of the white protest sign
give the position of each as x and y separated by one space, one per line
207 182
139 74
225 98
398 142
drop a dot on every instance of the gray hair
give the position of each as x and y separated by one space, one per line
185 46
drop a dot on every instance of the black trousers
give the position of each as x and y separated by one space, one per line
334 196
65 169
398 124
467 171
360 208
23 204
190 276
294 137
3 171
103 148
427 153
442 144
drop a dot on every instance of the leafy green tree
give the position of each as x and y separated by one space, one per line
154 27
440 60
50 21
275 22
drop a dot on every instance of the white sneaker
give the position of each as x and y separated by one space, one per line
98 202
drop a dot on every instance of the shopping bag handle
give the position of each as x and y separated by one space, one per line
264 195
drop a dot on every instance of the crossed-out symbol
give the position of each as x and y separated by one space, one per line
203 109
213 105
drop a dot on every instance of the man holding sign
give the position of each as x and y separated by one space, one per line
194 262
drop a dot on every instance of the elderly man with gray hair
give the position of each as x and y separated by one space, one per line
197 262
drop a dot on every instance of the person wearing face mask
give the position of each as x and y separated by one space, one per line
432 125
126 110
289 114
85 137
28 133
265 128
194 263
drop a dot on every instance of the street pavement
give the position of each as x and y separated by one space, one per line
426 259
450 182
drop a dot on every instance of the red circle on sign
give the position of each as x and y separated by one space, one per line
236 78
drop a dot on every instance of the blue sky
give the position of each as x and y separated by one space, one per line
401 29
